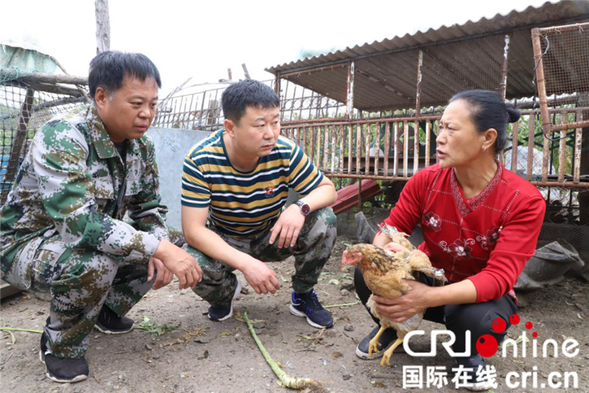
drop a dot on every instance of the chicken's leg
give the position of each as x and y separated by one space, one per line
373 345
389 352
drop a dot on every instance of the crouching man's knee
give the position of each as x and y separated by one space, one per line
82 269
320 227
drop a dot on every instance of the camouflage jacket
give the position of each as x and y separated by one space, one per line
73 184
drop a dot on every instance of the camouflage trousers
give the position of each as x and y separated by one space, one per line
311 252
80 283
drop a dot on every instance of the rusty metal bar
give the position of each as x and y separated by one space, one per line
387 146
545 158
562 156
577 150
541 83
350 90
377 148
396 150
358 147
320 147
302 104
531 149
313 70
341 148
315 147
416 147
192 106
405 148
285 100
367 149
503 84
325 146
561 29
569 126
418 87
334 135
360 195
305 140
535 183
514 147
20 137
427 142
339 120
350 149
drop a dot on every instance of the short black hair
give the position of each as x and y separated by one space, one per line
489 110
109 68
237 97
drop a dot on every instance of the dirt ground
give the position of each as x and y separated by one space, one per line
204 356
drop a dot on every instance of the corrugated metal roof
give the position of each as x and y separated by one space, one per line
456 58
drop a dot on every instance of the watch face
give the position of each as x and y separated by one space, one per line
305 209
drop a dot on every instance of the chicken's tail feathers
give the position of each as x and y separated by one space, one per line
419 261
437 275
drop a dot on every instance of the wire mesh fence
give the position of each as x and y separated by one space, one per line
202 110
22 112
191 111
562 67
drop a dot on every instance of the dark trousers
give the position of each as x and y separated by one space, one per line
476 317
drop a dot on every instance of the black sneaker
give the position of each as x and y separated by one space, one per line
61 369
110 323
307 305
475 382
222 313
388 337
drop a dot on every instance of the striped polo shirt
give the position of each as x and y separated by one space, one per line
244 203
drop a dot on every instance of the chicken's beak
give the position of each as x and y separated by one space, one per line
345 260
349 258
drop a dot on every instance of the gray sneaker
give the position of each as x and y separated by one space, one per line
388 337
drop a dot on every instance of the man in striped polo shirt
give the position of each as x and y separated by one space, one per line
234 188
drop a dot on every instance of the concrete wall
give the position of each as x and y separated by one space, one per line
171 145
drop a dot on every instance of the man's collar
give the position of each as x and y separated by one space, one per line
102 143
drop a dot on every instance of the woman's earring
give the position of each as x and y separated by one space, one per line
484 148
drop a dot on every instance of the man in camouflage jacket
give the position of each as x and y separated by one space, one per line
84 219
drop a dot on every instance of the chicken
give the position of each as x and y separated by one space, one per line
383 272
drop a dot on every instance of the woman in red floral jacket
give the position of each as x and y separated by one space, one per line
480 223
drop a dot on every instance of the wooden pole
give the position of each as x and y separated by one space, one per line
102 26
245 71
418 87
277 85
541 86
504 69
350 90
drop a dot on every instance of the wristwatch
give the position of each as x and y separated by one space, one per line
305 209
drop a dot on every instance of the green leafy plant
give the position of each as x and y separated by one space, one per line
150 327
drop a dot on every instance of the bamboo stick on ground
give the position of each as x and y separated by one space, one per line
13 338
285 379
